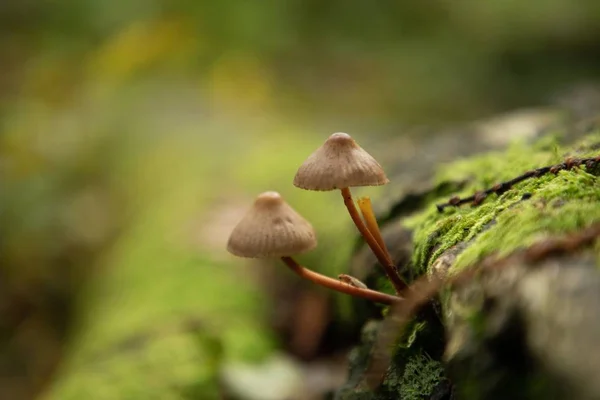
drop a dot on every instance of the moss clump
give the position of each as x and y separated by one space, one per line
421 376
566 203
553 203
418 349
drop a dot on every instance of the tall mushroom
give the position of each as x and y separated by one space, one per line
340 163
271 228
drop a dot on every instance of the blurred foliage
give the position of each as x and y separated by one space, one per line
134 133
398 61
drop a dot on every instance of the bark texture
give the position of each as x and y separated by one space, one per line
526 329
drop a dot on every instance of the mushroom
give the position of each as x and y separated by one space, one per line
271 228
366 209
340 163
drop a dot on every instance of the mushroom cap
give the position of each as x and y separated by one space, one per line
271 228
340 162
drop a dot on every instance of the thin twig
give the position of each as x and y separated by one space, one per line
500 188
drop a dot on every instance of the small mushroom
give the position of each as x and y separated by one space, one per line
366 209
271 228
340 163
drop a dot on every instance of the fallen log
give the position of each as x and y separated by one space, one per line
505 302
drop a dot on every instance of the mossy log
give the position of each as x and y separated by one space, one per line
527 325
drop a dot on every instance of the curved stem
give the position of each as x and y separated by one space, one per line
383 259
366 209
338 285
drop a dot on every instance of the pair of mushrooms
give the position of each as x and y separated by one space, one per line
271 228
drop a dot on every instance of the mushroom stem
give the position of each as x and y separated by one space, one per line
366 209
337 285
382 257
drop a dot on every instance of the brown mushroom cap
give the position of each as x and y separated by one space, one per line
340 162
271 228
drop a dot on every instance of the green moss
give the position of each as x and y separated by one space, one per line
559 203
170 364
413 331
563 203
421 375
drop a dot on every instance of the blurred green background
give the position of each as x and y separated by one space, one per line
135 134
